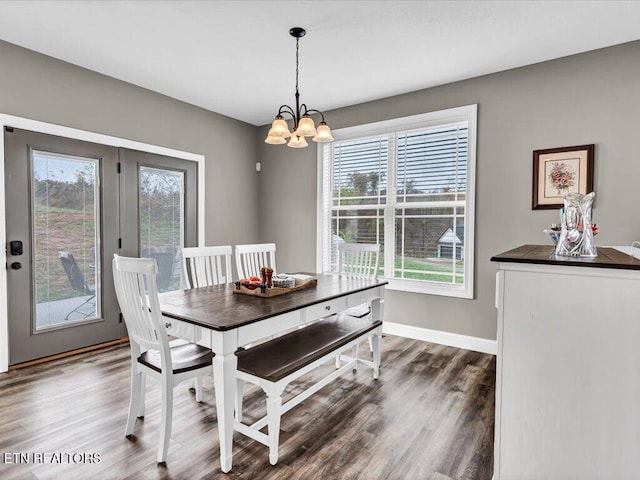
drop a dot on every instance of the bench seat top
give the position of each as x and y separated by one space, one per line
280 357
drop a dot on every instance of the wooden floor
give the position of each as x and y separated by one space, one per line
429 416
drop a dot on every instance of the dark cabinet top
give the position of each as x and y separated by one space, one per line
544 255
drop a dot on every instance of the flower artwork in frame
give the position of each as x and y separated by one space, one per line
558 171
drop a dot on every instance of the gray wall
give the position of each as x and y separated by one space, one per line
42 88
587 98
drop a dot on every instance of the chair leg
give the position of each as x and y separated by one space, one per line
376 340
273 415
167 416
143 383
338 362
355 357
198 389
370 339
239 394
134 400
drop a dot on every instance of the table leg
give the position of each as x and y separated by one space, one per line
377 313
224 378
377 308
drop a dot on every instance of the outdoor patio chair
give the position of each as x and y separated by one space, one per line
77 283
166 258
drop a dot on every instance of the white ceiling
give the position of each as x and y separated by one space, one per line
237 58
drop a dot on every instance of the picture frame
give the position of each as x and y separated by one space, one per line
558 171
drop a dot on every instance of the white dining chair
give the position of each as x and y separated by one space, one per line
151 353
358 260
205 266
201 267
250 258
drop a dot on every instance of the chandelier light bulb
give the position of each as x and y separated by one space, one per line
306 128
274 140
297 141
279 128
323 133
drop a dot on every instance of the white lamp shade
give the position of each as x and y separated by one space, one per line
306 128
274 140
323 134
279 128
297 142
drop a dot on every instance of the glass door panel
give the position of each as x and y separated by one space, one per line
66 229
159 212
161 222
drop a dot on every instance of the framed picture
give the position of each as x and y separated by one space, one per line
558 171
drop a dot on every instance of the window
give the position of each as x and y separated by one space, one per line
407 184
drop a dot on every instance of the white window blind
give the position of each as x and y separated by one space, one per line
407 189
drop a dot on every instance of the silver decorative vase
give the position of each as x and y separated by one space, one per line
576 237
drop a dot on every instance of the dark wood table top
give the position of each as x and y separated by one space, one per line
218 308
544 255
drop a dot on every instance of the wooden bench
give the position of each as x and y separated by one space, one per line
274 364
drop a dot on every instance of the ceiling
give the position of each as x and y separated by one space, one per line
237 58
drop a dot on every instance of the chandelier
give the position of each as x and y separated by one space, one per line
303 125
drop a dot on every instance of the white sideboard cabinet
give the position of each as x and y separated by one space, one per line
568 366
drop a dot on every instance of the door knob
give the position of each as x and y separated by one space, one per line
16 265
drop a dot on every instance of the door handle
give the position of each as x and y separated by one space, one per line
16 265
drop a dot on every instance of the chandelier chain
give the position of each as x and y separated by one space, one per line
297 56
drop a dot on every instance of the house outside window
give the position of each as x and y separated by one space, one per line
409 185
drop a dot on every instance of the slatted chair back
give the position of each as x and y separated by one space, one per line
206 266
359 260
250 258
137 293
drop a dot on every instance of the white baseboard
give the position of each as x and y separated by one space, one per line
476 344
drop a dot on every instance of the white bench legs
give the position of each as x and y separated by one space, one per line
275 389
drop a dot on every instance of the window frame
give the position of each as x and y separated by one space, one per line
467 113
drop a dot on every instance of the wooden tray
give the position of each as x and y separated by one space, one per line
264 292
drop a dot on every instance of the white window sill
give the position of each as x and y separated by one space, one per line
430 288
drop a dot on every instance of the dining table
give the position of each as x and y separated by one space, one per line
225 321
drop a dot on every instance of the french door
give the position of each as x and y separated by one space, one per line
70 205
158 210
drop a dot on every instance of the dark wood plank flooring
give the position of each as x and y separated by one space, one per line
430 416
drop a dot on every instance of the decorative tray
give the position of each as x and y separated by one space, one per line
301 282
